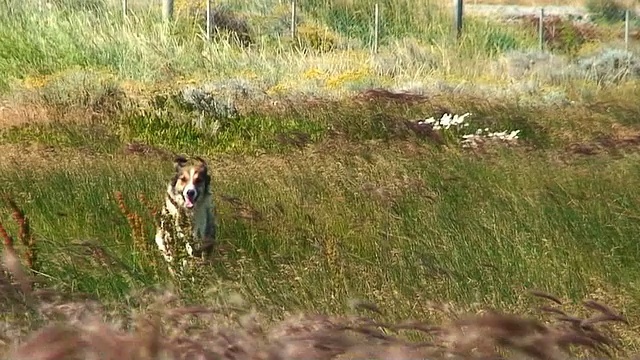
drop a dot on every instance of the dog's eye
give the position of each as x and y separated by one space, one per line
183 178
196 180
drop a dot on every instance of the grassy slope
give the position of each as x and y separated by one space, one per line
367 209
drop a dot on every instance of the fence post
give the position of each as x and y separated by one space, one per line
376 14
124 8
167 10
541 29
293 19
208 20
458 17
626 30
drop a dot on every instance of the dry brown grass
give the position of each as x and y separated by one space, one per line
168 329
20 115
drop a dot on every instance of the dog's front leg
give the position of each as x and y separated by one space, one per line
160 242
208 238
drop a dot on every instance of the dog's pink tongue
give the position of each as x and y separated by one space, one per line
188 203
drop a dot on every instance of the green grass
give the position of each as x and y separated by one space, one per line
352 202
450 228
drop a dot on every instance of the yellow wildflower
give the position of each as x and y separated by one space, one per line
277 89
313 73
36 82
340 79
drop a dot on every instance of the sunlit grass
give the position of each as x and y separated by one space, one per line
341 193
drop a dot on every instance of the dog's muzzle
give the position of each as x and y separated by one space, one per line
190 196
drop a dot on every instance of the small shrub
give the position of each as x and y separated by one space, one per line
316 38
498 42
543 65
610 66
281 20
207 102
224 22
562 34
139 235
606 10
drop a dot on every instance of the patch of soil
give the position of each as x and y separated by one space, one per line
424 131
36 155
18 115
142 149
39 155
613 144
379 95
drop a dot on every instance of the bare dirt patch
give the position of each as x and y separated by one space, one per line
142 149
19 115
40 156
622 140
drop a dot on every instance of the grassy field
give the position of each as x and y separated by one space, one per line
328 187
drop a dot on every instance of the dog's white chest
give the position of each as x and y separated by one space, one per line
184 223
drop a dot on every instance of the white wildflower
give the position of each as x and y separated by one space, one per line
479 136
514 135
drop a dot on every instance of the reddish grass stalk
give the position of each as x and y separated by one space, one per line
7 239
153 211
24 234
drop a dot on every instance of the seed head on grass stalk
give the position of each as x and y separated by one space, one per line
7 241
13 266
153 211
135 223
24 235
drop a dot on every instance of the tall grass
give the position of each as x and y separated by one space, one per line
451 227
140 47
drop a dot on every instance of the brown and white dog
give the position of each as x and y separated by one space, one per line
187 219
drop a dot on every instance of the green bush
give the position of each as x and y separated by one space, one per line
315 38
606 10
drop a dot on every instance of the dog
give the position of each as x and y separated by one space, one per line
187 220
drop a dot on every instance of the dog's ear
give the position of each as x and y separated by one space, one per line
179 162
205 170
202 162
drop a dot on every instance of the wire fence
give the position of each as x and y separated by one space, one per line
377 9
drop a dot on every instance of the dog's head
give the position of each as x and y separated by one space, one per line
190 182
